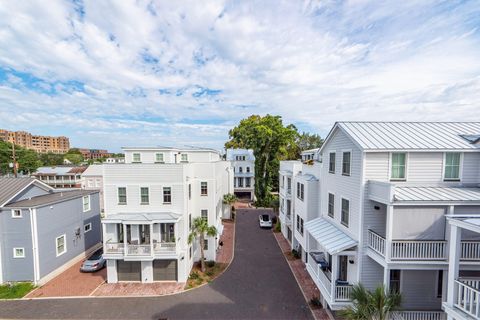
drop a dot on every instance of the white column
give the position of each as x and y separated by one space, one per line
453 262
334 274
150 232
125 240
389 233
386 279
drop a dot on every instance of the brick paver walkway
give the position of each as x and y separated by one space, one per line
138 289
70 283
304 280
225 252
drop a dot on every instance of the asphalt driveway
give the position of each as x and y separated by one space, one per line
257 285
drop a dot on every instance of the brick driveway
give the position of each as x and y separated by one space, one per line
70 283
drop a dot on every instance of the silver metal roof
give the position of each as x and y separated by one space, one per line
329 236
142 217
413 135
50 198
437 194
9 187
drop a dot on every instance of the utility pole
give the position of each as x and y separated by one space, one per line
14 161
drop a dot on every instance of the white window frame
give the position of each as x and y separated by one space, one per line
341 211
156 157
334 163
15 256
163 195
460 168
139 157
148 195
118 196
182 156
201 214
64 236
206 184
89 225
390 163
17 217
328 204
350 163
88 203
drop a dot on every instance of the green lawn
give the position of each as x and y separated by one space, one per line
16 290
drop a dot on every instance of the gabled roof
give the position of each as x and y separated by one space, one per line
50 198
371 136
10 187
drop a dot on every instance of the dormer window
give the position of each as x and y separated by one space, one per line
452 166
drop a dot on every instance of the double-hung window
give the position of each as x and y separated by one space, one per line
60 245
240 169
248 169
300 225
346 163
144 196
399 166
300 190
247 182
122 195
136 158
331 163
19 252
452 166
331 205
159 158
87 227
86 203
345 212
189 191
203 188
184 157
167 195
204 214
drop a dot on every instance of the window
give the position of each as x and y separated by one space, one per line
190 192
190 222
240 182
159 158
345 212
167 195
248 182
184 157
87 227
144 197
452 166
248 169
190 252
86 203
395 281
203 189
16 213
398 166
97 183
346 163
283 182
204 213
19 252
300 190
61 245
205 244
331 164
300 225
240 169
90 183
136 157
439 283
122 195
331 205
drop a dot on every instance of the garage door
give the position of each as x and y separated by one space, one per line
164 270
129 270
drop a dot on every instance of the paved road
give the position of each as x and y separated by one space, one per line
258 285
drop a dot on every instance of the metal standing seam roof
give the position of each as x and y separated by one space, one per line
329 236
142 217
93 170
413 135
50 198
9 187
436 194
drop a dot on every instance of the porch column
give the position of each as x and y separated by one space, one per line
150 232
125 239
453 262
334 275
389 233
386 279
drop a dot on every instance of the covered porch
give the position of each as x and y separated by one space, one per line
331 261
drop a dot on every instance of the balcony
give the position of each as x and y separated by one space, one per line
140 250
468 298
419 315
381 192
420 250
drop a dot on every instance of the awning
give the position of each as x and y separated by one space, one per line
329 236
150 217
437 194
470 223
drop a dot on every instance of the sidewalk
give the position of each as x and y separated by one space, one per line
225 252
304 280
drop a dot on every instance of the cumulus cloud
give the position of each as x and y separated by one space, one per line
113 73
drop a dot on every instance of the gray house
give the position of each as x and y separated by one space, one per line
44 231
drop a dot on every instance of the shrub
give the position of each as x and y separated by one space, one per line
194 275
295 254
210 273
278 226
315 301
210 263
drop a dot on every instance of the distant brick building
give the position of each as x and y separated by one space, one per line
94 153
41 144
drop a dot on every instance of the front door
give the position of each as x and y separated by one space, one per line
343 268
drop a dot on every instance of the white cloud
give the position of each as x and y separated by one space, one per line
141 63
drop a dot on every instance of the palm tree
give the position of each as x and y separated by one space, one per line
200 228
229 199
367 305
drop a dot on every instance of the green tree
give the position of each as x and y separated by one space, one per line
51 159
200 229
304 141
367 305
27 159
74 156
270 141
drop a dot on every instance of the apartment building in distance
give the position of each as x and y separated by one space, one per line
38 143
94 154
394 204
61 176
150 202
243 162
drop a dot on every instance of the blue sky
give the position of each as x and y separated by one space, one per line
114 73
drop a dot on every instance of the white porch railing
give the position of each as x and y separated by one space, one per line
320 274
468 299
472 282
139 249
418 250
470 250
419 315
342 293
164 247
114 248
376 242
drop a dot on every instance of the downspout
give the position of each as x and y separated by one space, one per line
33 225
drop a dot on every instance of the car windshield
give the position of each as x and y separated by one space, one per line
265 217
97 255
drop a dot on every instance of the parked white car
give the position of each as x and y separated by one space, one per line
265 221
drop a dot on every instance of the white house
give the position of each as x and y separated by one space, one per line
243 163
384 193
150 202
92 179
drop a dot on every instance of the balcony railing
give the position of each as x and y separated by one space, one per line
342 293
421 249
472 282
468 299
139 249
164 247
419 315
114 247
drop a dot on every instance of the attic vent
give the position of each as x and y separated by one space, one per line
471 138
